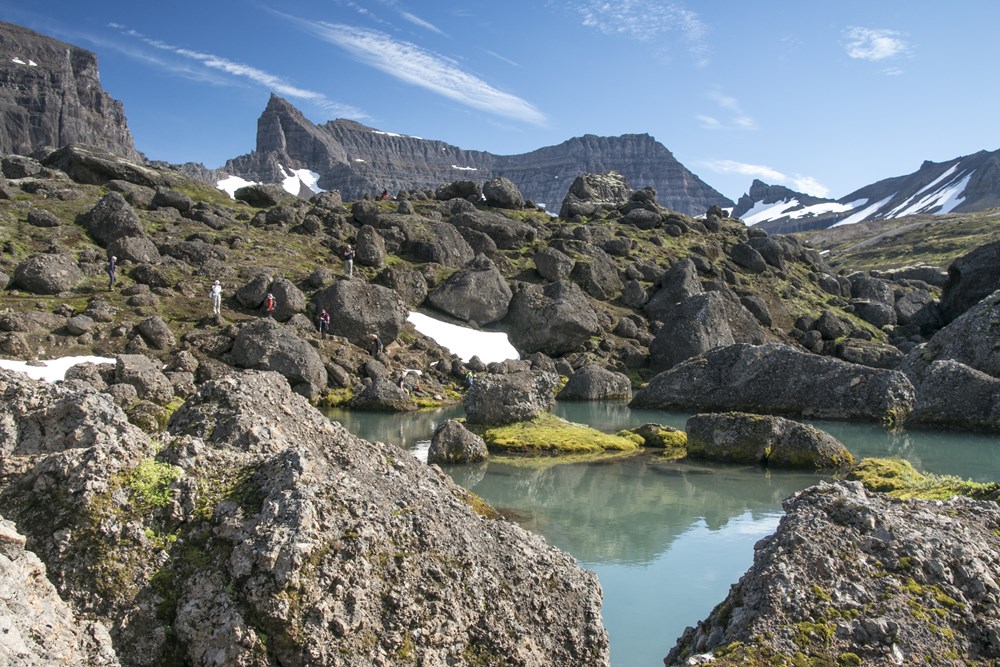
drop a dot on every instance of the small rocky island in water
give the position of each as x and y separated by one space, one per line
188 503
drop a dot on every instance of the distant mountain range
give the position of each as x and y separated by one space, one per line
359 160
51 95
962 185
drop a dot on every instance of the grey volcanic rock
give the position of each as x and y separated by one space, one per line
145 375
266 345
678 284
453 443
263 195
41 629
96 166
553 319
970 340
591 193
47 274
357 161
382 395
157 333
697 325
499 192
136 249
739 437
409 285
437 242
475 293
777 379
289 299
831 567
52 96
553 264
369 248
359 309
506 398
594 383
506 233
268 492
953 395
111 219
971 278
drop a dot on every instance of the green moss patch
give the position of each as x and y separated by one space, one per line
900 479
552 435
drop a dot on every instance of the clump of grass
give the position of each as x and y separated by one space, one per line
900 479
551 434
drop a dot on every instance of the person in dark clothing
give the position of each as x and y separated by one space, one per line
323 323
375 345
112 271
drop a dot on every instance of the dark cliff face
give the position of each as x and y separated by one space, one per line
51 95
359 160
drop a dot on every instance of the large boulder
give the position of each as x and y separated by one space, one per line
857 578
47 274
476 293
778 379
110 219
264 344
508 234
697 325
775 442
955 396
971 278
970 339
369 248
453 443
145 375
595 383
408 284
553 264
554 318
506 398
156 332
500 192
597 273
358 310
436 242
288 299
678 284
135 249
382 395
263 195
590 193
96 166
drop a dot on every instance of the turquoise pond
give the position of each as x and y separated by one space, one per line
666 540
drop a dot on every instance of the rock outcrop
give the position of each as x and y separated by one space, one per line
853 578
777 379
52 96
766 440
191 550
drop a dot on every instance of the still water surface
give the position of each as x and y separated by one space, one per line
666 540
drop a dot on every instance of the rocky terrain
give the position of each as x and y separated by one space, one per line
857 578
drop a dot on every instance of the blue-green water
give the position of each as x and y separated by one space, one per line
666 540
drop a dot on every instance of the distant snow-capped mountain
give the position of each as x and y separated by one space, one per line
962 185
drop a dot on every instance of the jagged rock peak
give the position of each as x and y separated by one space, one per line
51 95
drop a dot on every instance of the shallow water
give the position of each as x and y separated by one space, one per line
666 540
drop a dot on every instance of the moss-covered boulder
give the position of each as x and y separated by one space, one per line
548 434
739 437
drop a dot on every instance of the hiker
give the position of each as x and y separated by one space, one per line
323 323
349 261
375 345
384 195
112 269
269 304
216 295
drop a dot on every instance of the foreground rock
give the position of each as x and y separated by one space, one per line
853 578
777 379
738 437
193 555
38 627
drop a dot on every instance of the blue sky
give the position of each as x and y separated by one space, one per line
823 97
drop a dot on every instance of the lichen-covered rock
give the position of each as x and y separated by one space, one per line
145 375
112 218
264 344
858 578
47 274
453 443
506 398
595 383
359 309
476 293
778 379
554 319
739 437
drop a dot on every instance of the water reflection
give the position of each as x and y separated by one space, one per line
666 539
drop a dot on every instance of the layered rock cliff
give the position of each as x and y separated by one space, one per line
51 95
359 160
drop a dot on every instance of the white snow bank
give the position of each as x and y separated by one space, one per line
464 342
51 370
231 184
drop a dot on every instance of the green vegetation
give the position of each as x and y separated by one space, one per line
900 479
550 434
148 484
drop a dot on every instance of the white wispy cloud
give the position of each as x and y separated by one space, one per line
798 182
736 118
419 67
417 21
243 71
871 44
647 21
